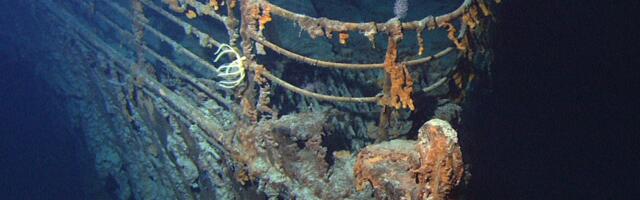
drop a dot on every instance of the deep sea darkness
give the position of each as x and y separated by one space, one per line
37 150
559 125
556 126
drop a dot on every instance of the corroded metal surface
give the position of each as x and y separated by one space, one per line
173 129
429 168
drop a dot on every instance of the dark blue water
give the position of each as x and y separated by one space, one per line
38 147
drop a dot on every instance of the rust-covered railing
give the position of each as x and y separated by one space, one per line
260 11
255 16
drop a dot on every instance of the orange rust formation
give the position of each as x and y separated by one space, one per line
258 77
420 44
441 167
470 18
430 168
399 94
191 15
214 4
265 17
386 166
452 35
344 36
232 3
174 5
